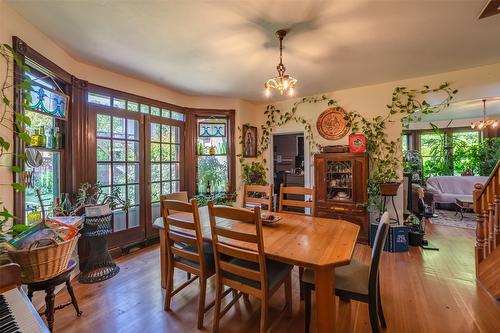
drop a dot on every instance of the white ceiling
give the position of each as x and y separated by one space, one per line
228 48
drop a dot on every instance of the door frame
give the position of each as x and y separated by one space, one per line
308 161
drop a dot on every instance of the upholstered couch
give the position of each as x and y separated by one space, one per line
446 189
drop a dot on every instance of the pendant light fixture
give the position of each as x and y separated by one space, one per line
283 83
482 124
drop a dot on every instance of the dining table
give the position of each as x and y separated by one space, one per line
302 240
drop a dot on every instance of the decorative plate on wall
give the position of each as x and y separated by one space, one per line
331 123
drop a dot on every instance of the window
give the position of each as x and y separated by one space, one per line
464 152
212 155
47 177
118 167
449 151
432 149
123 104
165 156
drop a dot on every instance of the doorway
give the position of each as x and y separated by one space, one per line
288 161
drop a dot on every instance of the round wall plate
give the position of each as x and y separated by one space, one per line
331 123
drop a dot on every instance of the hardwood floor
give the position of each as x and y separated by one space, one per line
422 291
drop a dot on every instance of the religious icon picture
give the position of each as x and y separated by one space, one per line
249 141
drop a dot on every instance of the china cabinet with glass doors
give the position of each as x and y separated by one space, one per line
341 182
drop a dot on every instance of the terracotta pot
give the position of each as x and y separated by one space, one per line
389 189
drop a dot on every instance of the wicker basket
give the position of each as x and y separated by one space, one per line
43 263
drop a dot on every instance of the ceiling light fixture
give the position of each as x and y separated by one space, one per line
283 82
482 124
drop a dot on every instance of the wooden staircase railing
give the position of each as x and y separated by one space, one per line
487 208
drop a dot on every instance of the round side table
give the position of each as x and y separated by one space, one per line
99 266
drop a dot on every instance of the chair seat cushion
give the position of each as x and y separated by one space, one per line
352 278
208 253
276 272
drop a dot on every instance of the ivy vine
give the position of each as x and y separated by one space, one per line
385 154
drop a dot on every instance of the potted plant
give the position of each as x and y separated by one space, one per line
254 174
93 195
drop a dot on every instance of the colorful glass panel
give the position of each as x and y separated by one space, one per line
49 102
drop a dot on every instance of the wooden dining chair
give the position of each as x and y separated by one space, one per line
243 266
186 251
357 281
181 196
295 190
265 198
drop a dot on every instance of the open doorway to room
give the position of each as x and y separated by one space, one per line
288 161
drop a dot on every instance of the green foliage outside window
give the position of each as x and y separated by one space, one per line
212 169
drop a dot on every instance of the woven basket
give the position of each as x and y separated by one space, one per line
43 263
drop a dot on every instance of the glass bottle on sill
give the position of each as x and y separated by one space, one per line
43 137
50 139
57 139
35 139
66 204
209 188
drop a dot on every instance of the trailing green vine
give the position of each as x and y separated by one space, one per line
12 121
277 118
386 155
409 105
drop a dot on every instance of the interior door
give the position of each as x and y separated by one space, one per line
119 164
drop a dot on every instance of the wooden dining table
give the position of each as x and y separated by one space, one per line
317 243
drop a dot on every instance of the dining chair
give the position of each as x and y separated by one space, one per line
241 264
186 251
357 281
266 198
295 190
181 196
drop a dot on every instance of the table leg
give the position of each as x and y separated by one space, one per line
163 259
325 299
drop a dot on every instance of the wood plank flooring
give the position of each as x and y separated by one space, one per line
422 291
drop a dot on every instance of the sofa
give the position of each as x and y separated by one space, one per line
446 189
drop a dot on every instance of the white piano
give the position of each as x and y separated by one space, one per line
17 314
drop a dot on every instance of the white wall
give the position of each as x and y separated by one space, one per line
12 24
371 100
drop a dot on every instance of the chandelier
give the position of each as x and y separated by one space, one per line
482 124
283 82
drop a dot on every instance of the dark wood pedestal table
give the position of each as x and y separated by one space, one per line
99 266
49 286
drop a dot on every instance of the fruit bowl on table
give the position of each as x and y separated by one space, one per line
268 218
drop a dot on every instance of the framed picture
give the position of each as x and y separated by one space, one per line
357 143
249 141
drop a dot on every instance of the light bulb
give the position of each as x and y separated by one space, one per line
480 125
291 91
495 124
268 92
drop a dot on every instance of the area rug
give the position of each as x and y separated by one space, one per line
450 219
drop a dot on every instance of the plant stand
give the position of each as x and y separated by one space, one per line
99 266
384 198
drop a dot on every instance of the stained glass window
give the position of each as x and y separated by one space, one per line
49 102
209 129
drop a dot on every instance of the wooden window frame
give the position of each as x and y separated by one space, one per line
192 116
46 67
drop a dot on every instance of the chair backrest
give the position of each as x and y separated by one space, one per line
265 190
183 231
250 248
181 196
378 246
296 203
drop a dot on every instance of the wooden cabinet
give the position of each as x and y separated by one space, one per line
341 182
